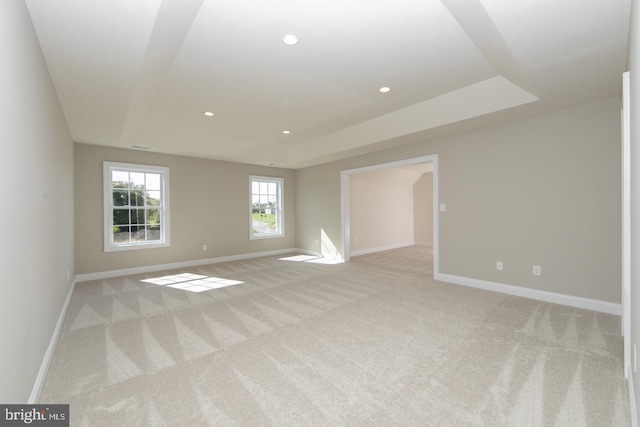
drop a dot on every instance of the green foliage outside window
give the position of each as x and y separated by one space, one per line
136 212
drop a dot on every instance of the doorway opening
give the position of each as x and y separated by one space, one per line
417 166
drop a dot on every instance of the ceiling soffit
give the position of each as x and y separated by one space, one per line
142 73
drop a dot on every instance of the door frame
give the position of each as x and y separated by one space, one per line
626 222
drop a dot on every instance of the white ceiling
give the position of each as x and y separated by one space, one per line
142 72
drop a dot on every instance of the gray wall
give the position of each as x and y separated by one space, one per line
209 205
544 190
634 71
36 171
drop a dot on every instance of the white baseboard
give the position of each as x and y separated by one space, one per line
48 356
381 248
308 252
556 298
632 401
175 265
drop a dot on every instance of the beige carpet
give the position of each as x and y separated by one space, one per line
371 342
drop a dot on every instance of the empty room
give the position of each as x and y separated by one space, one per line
320 212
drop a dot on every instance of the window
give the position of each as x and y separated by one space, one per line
136 206
266 216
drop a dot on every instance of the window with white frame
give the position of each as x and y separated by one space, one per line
136 206
265 212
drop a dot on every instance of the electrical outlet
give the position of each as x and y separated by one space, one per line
537 270
499 266
205 247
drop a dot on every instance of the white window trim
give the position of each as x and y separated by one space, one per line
280 182
109 246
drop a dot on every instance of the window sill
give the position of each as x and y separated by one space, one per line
135 246
265 236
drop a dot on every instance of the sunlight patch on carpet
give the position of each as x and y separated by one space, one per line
311 258
192 282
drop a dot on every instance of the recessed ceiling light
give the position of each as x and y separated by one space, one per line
208 113
290 40
286 132
384 89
